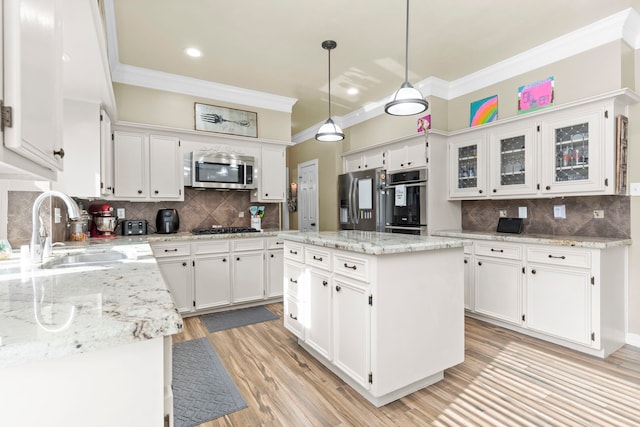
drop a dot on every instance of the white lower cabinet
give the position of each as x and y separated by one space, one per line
469 279
561 294
370 319
352 330
208 275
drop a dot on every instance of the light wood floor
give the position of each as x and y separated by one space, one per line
507 379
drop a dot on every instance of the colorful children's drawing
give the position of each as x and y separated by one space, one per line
484 111
424 123
535 96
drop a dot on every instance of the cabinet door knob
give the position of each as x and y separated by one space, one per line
224 260
338 288
495 191
271 255
548 187
479 262
156 191
480 191
325 283
184 264
266 194
465 261
533 271
59 152
238 259
139 191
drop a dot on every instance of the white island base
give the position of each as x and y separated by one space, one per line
386 318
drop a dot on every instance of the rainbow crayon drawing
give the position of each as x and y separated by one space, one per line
484 111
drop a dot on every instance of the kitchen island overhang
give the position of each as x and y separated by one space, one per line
384 312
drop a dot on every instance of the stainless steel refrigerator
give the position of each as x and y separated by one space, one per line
361 200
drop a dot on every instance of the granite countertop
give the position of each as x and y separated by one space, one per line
155 238
48 313
373 242
576 241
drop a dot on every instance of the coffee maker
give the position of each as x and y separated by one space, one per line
103 221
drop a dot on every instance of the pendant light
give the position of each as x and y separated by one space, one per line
329 131
407 100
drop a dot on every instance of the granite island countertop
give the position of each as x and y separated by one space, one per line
54 312
546 239
373 242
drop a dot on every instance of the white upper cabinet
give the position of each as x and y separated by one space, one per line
106 156
467 166
33 81
512 160
147 167
408 155
271 181
370 159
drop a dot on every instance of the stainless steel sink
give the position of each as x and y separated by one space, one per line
91 258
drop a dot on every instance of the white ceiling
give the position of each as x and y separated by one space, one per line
269 54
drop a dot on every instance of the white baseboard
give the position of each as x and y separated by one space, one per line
633 339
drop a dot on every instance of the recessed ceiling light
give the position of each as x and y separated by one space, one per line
193 52
352 90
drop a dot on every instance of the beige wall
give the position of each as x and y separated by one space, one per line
155 107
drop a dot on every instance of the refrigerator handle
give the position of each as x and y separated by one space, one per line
354 193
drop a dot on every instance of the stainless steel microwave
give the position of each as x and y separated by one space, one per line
204 169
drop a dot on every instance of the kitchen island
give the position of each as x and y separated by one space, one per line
382 311
86 343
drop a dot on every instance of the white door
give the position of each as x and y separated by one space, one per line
308 196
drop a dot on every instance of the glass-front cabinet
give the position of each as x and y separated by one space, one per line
572 153
512 161
467 157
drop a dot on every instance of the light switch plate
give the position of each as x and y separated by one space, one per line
120 213
559 211
56 215
522 212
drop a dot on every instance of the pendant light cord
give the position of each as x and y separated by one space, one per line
329 74
406 48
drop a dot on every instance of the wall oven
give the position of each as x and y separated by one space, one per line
203 169
406 202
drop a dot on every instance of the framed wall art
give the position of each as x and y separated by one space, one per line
484 111
211 118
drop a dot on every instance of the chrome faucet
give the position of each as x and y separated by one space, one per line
40 242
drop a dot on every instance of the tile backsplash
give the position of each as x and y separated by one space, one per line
482 215
200 208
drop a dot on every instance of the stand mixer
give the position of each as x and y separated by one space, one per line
103 221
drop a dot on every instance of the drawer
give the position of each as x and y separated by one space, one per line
499 250
241 244
292 317
211 247
317 258
161 250
350 266
568 257
293 277
294 251
275 243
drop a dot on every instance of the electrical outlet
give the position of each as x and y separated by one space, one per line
559 211
240 214
522 212
598 213
56 216
503 213
120 213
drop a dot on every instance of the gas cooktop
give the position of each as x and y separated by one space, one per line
223 230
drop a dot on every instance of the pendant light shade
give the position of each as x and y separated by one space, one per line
329 131
407 100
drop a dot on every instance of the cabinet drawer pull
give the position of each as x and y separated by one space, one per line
325 283
497 250
293 317
559 257
338 288
292 280
171 250
293 252
353 267
317 258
